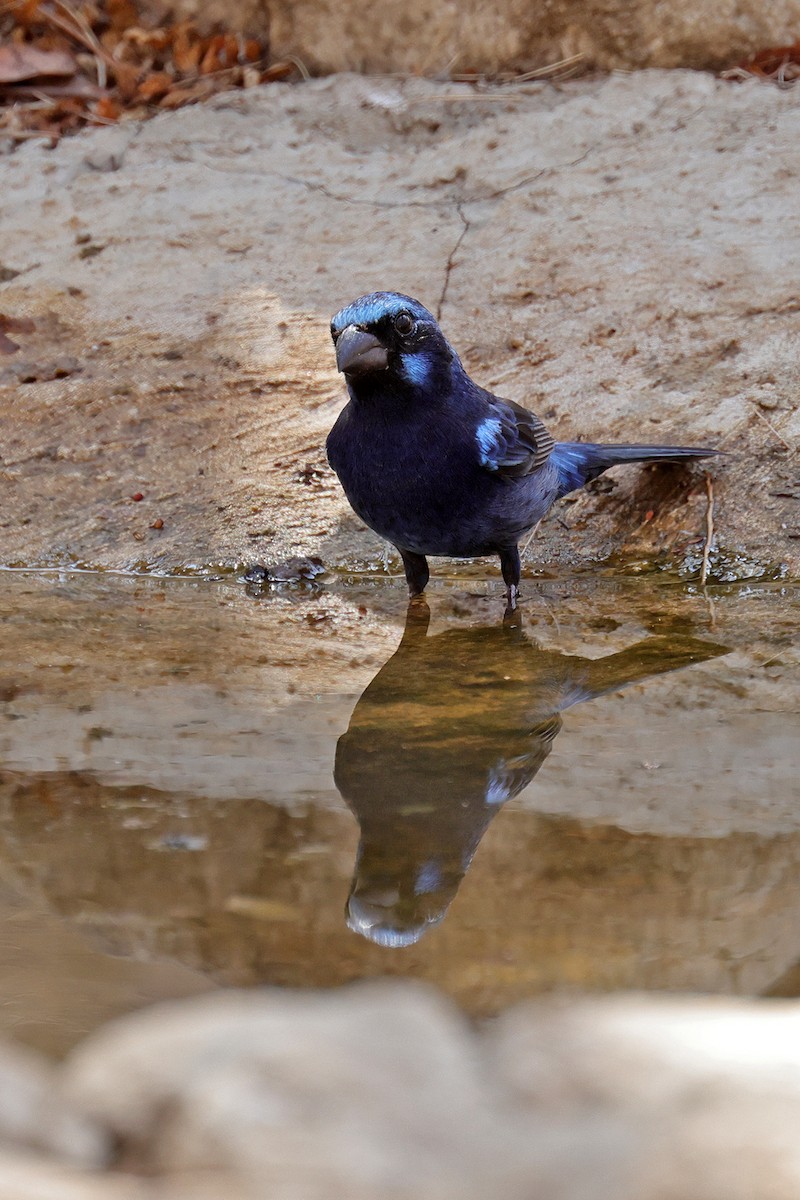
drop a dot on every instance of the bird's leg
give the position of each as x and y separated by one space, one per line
417 573
509 565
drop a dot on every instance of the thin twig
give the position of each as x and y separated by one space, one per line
83 25
771 427
546 72
530 538
709 530
504 79
78 28
301 66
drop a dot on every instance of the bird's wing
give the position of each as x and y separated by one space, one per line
512 440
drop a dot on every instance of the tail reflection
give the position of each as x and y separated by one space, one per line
450 728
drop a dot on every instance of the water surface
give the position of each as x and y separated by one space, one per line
201 787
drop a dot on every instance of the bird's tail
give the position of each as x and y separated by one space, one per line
579 462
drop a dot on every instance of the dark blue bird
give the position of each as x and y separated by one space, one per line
434 463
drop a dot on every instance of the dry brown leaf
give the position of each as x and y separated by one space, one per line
146 41
187 95
781 63
107 109
27 13
23 61
216 55
62 50
280 70
122 14
127 79
226 50
186 49
154 86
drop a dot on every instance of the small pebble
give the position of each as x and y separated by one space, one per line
293 570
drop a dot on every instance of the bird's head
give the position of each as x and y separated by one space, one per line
389 340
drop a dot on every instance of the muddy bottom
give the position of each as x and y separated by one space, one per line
201 786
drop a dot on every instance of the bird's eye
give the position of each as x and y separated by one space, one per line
403 323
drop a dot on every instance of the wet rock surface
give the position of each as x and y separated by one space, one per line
611 253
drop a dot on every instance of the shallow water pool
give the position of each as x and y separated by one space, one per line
199 786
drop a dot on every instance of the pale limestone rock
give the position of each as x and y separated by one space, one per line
365 1089
34 1114
708 1090
381 1090
25 1177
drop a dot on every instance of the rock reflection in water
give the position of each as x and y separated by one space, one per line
450 728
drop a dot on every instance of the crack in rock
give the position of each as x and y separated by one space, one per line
451 259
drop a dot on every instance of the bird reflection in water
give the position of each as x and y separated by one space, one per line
450 728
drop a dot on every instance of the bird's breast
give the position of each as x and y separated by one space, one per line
420 485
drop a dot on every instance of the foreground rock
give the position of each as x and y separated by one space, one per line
34 1115
613 253
383 1090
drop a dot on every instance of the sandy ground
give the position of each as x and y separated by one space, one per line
614 253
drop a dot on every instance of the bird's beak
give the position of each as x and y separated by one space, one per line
358 352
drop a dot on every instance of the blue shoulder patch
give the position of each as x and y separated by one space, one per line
487 435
